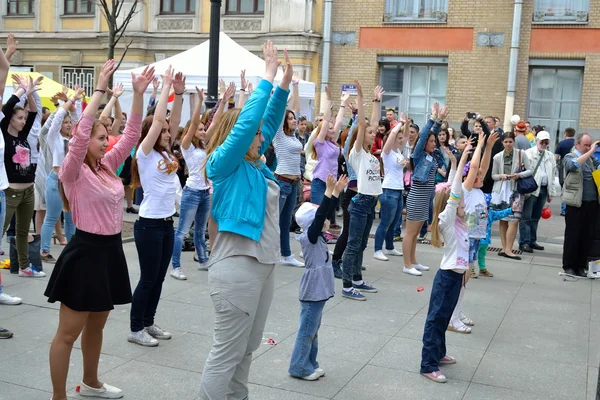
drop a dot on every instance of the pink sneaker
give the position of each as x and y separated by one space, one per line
435 376
447 360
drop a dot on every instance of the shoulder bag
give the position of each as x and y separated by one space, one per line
527 185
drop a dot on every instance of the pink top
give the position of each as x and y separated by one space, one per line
96 199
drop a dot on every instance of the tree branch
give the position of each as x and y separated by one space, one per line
120 30
124 53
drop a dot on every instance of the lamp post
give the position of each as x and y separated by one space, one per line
213 53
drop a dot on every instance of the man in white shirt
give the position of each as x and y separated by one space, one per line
544 165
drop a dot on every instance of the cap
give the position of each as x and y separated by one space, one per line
306 215
521 126
543 135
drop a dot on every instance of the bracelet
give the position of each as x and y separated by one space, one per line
100 90
242 90
180 94
56 105
376 101
294 83
72 100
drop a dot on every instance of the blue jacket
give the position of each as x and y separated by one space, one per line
239 202
423 162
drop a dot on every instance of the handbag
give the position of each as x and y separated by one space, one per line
596 176
35 257
527 185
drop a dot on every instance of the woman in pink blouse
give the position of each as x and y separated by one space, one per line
91 276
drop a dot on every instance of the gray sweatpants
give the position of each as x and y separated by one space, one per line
241 290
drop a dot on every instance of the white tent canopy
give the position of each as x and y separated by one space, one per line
193 63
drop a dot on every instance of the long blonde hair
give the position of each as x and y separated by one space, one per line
439 205
228 121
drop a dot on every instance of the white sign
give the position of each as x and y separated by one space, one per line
351 89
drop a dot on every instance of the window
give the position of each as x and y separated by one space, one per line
245 6
554 99
177 6
408 10
20 7
83 77
560 11
413 88
78 7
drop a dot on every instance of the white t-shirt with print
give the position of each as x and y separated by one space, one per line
476 213
393 163
195 160
159 180
368 172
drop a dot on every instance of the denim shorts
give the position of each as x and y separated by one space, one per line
473 249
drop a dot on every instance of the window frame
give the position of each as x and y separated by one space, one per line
437 16
88 84
540 17
76 12
239 7
405 96
552 122
17 3
188 7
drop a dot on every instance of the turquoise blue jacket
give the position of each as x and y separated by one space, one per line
239 202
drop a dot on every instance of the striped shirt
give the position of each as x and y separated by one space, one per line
96 198
287 150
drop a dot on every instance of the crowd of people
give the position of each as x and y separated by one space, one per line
253 174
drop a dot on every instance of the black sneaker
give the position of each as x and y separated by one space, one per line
526 248
48 258
5 333
131 210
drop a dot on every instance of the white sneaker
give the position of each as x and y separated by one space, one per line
378 255
420 267
301 255
177 273
202 267
320 371
291 261
411 271
105 392
312 377
10 300
158 333
31 272
392 252
142 338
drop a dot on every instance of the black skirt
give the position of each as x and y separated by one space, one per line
90 274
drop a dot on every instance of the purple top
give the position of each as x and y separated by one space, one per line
327 160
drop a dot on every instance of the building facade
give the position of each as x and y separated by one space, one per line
457 52
67 40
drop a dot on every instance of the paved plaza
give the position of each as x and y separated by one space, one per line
536 337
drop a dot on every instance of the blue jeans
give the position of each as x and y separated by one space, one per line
563 208
154 244
362 212
54 206
195 206
398 227
430 220
391 212
317 191
304 357
444 296
288 198
532 212
2 215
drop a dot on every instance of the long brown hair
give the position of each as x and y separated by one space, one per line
288 130
195 141
355 135
439 205
91 165
169 157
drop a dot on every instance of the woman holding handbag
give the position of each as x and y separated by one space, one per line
510 166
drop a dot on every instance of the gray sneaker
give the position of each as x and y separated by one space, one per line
157 332
5 333
142 338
